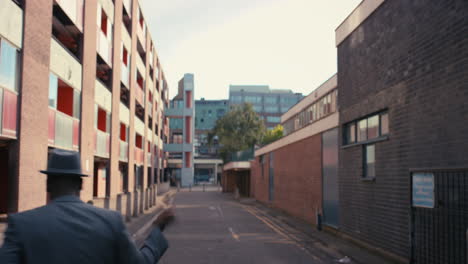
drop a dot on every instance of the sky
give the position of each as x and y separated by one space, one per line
286 44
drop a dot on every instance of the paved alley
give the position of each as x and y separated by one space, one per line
211 227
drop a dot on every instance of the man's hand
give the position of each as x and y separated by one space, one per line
165 218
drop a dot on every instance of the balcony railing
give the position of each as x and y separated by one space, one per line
8 112
102 145
125 75
74 11
140 95
141 34
104 47
123 150
138 155
63 130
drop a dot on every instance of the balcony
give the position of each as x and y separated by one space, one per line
65 65
138 155
63 130
140 95
178 147
125 76
150 109
102 143
123 150
141 34
74 10
8 113
104 47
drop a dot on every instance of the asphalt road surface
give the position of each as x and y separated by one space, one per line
212 228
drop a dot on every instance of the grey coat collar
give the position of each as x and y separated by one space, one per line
68 199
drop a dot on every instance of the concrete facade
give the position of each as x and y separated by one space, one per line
181 143
408 59
91 106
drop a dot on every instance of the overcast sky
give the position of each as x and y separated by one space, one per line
286 44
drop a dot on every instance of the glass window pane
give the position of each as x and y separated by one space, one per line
370 161
53 86
362 130
8 66
351 133
373 127
384 124
271 100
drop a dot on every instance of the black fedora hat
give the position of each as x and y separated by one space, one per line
64 162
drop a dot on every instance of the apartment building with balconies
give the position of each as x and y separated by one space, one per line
182 129
82 76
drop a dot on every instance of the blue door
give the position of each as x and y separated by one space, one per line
330 177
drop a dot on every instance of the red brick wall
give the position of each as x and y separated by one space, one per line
297 178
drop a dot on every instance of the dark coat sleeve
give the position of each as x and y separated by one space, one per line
152 250
11 251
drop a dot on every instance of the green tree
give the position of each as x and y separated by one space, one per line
273 135
240 129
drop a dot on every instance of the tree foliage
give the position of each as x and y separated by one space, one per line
273 135
240 129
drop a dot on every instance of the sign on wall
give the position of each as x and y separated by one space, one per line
423 190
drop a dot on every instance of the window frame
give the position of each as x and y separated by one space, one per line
17 70
380 137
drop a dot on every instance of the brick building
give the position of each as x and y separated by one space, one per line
298 173
403 74
84 76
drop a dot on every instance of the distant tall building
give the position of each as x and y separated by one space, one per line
207 112
270 104
181 147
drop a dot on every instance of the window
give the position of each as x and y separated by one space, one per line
124 56
362 130
253 99
384 124
273 119
258 108
351 133
9 62
271 100
272 109
369 161
373 127
63 97
366 129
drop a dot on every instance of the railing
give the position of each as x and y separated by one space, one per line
74 11
139 155
125 75
244 155
102 145
63 130
150 109
123 149
104 47
140 95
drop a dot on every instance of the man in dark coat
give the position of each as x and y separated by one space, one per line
68 230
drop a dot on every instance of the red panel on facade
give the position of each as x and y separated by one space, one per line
102 120
188 129
9 113
65 98
123 132
51 126
188 159
76 134
188 99
138 141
